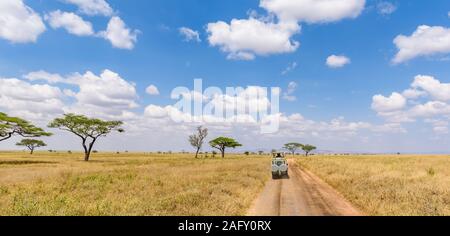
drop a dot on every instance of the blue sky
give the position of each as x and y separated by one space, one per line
161 56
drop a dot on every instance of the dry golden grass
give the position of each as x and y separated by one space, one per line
388 185
128 184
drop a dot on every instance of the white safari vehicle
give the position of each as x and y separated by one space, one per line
280 166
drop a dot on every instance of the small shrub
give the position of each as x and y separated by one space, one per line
4 190
431 171
247 153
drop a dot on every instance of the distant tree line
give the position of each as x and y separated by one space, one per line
197 141
89 130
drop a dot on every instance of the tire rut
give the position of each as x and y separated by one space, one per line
301 194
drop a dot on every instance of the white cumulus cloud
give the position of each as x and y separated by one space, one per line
386 104
427 98
314 11
93 7
107 95
30 101
413 93
73 23
436 89
334 61
243 39
19 23
44 76
155 111
152 90
119 34
425 41
108 90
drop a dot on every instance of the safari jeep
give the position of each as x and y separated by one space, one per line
280 166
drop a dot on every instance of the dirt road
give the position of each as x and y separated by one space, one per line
301 194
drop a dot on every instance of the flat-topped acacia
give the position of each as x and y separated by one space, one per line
31 144
221 143
11 126
88 129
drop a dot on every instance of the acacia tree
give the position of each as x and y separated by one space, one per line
293 147
222 143
308 149
11 126
31 144
89 130
198 139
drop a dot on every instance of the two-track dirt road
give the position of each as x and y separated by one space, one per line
302 194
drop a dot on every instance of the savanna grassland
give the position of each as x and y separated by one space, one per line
129 184
388 185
